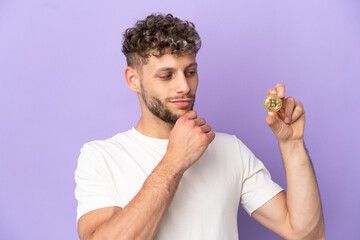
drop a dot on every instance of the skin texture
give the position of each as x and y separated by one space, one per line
159 108
295 214
167 78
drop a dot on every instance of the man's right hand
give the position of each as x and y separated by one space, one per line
188 140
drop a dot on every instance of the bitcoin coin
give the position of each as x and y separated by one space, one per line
272 103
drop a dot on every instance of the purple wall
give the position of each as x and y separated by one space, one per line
62 84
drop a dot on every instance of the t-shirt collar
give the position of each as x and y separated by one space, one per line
157 141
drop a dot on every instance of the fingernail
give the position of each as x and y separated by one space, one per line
270 116
287 120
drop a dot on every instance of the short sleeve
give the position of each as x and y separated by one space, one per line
257 185
94 188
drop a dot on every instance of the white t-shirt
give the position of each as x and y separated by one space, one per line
111 172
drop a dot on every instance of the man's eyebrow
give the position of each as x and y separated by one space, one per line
170 68
163 69
194 64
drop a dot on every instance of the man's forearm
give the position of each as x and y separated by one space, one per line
302 198
141 217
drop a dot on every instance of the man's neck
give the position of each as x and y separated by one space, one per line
154 127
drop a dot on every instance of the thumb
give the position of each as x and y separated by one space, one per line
272 121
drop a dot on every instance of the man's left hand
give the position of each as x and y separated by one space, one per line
289 122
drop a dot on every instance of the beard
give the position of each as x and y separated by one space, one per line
159 109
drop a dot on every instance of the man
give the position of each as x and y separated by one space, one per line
170 177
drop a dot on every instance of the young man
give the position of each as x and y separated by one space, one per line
170 177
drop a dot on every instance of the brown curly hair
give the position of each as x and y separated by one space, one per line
156 35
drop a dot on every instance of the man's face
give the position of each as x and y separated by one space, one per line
168 85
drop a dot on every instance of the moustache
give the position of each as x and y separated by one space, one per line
192 97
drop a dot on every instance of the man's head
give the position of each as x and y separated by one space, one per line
160 53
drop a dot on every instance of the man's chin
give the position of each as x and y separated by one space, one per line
178 114
181 111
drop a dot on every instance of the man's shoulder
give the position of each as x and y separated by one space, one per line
229 140
224 140
101 144
224 137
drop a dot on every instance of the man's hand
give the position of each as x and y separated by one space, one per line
289 122
296 214
188 140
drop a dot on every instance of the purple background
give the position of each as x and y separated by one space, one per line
62 84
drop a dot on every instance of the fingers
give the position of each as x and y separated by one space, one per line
272 121
298 111
289 109
279 90
211 136
206 128
191 115
200 121
292 112
271 91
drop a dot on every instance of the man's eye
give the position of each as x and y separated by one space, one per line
190 74
165 76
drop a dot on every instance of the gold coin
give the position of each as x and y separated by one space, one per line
272 103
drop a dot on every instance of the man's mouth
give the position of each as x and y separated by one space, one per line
183 103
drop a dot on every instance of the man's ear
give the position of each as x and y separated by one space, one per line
132 79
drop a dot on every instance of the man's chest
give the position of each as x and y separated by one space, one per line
207 183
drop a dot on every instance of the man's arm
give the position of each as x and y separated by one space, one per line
141 217
296 214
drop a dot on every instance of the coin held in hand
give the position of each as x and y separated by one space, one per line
272 103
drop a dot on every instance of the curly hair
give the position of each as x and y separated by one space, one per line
159 34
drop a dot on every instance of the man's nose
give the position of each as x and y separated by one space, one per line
182 85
